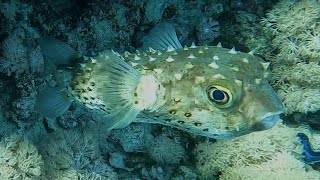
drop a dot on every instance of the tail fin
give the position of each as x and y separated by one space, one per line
52 102
162 37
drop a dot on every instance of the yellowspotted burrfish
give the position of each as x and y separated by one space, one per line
204 90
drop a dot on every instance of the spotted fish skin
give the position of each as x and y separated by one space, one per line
184 79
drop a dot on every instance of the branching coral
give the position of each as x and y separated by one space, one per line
293 28
133 137
14 55
297 99
19 159
166 151
75 155
281 166
249 151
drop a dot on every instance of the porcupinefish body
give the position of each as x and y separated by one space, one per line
205 90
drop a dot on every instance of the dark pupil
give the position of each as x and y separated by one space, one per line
218 95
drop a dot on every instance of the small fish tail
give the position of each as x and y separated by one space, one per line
52 102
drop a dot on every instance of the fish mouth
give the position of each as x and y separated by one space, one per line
267 121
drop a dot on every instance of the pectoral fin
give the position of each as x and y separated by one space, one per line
116 82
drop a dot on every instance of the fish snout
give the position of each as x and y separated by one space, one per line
267 121
267 107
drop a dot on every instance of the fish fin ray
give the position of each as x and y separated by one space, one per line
52 102
161 37
117 81
57 51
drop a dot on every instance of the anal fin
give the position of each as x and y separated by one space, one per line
52 102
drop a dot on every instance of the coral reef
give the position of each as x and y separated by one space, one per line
166 151
208 30
281 166
252 152
74 155
295 45
19 159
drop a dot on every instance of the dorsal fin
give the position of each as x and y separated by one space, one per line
56 51
161 37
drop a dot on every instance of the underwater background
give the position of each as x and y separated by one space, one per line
285 33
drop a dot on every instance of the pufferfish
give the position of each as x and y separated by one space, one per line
205 90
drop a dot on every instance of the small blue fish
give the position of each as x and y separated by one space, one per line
205 90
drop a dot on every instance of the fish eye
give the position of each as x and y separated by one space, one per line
219 95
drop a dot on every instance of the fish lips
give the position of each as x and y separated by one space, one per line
267 121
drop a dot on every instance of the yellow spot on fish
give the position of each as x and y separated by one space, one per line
238 82
126 54
136 57
159 53
152 50
93 60
233 51
189 65
219 44
245 60
170 49
86 58
258 81
185 48
199 79
216 58
235 68
82 65
214 65
193 45
251 53
218 76
169 59
178 76
177 99
200 51
191 56
158 71
151 58
265 65
133 64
